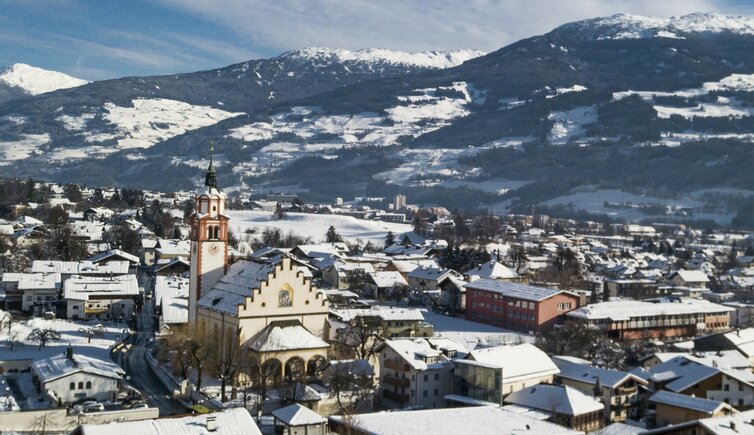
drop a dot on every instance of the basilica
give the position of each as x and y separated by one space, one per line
271 308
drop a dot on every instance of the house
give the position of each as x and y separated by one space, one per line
741 340
566 405
339 273
101 297
689 278
114 255
618 390
517 306
489 374
477 420
743 317
394 321
34 293
72 377
177 266
492 270
236 421
413 374
629 319
171 302
632 288
733 424
681 375
674 408
299 420
428 278
171 248
98 213
383 283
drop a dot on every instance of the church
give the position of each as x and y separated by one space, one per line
273 310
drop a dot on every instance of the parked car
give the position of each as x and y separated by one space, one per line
94 407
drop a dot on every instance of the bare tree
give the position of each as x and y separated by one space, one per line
226 360
93 331
362 335
350 386
43 336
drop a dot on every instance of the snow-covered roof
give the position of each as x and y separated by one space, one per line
687 402
388 279
679 373
80 288
79 267
620 429
555 398
171 293
406 266
413 351
691 276
235 286
518 362
114 253
298 415
724 359
590 375
236 421
429 273
385 313
628 309
492 269
514 290
55 367
743 339
479 420
728 425
322 250
33 281
283 335
173 247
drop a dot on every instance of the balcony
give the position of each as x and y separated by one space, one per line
95 310
400 366
627 390
396 397
394 381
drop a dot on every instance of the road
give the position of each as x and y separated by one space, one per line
140 372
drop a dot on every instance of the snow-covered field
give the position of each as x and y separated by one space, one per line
21 149
69 334
315 225
569 124
420 112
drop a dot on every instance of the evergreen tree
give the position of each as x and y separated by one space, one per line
389 239
332 236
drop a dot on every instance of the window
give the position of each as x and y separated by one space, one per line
426 378
437 392
81 385
73 385
437 376
740 402
425 393
88 385
726 387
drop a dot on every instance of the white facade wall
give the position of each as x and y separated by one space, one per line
733 392
101 388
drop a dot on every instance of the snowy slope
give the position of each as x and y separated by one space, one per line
426 59
315 226
623 26
34 81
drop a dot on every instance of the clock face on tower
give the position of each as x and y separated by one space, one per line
214 250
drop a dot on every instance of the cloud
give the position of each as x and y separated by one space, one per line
412 24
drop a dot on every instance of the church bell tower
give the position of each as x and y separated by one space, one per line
209 239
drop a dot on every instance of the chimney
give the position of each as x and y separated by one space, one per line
211 423
69 352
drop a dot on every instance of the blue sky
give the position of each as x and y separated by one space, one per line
99 39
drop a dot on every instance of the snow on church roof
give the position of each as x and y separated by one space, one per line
233 289
285 335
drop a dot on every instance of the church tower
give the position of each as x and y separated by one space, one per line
209 239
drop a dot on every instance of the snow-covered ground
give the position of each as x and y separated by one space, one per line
22 149
69 334
420 112
569 124
315 225
35 80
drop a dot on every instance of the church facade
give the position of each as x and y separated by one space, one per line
272 308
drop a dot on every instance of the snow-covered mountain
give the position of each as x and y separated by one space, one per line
623 26
34 81
584 119
381 56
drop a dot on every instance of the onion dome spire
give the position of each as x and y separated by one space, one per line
210 180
